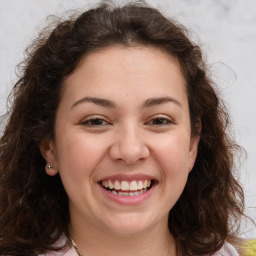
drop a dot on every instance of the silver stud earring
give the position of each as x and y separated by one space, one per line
50 166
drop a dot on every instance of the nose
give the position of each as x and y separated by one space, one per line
129 146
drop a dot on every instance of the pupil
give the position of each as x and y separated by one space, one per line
97 122
159 121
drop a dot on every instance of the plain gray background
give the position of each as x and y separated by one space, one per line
225 29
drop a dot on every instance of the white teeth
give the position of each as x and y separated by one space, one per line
140 185
109 184
123 194
133 186
117 185
114 192
126 186
119 193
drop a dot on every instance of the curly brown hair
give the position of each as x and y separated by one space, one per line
34 206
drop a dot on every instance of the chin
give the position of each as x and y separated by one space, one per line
129 224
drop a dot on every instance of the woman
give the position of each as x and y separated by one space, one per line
116 144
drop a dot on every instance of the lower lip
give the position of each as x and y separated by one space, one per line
128 200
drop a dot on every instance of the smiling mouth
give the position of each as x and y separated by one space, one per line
127 188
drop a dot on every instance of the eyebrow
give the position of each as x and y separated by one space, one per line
97 101
161 100
107 103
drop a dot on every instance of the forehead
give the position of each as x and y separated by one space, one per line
133 56
116 68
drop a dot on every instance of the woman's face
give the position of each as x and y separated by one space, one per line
123 145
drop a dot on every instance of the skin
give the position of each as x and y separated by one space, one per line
128 137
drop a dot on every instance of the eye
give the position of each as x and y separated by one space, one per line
160 121
95 122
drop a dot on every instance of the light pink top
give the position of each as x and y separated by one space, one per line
226 250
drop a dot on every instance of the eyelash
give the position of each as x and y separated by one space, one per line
163 121
94 122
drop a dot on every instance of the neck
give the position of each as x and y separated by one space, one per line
96 242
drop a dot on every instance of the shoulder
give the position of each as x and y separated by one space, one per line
65 252
226 250
70 252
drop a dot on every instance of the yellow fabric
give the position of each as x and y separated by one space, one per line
250 248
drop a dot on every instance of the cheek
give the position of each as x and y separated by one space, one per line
78 154
173 157
174 148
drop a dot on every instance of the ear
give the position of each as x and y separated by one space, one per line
194 141
48 151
